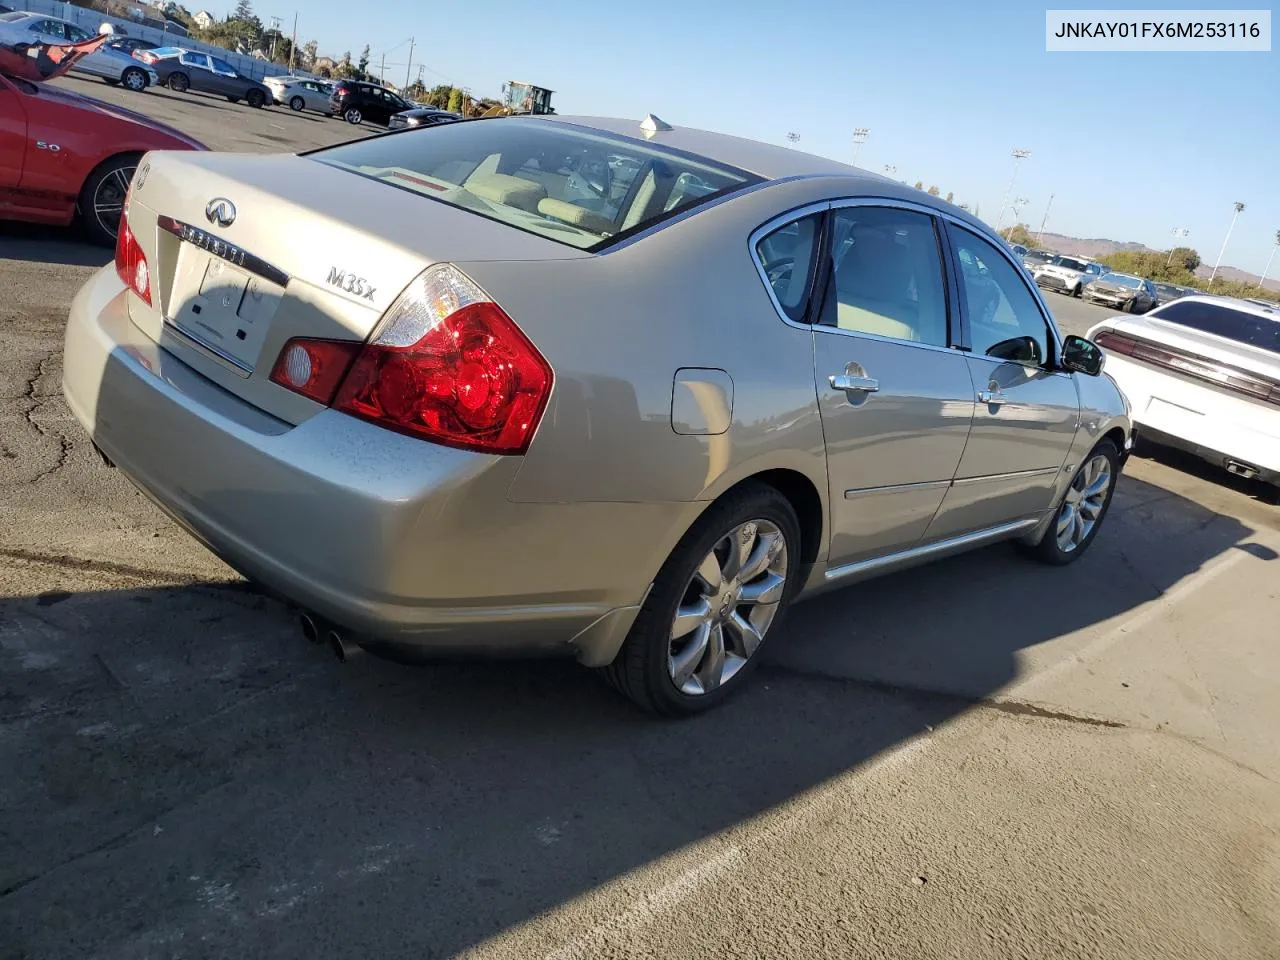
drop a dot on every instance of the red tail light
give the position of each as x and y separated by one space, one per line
446 364
146 56
131 263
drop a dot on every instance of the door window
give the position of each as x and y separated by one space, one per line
887 275
75 34
196 60
786 258
1005 321
221 66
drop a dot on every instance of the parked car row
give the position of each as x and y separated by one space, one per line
110 62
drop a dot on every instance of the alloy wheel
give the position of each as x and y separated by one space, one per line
1085 500
727 607
135 80
108 199
354 116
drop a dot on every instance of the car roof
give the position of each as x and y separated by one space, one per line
763 159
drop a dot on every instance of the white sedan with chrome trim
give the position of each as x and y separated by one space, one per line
1202 374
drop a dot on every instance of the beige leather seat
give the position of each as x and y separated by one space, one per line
507 190
872 283
578 216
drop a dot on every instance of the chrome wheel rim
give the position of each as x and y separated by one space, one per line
134 80
108 199
353 116
727 607
1083 505
296 104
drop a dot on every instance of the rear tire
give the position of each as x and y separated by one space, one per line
1080 513
645 668
134 79
353 116
179 82
102 198
296 104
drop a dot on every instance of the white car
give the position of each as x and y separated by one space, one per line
300 93
1068 274
113 66
1202 374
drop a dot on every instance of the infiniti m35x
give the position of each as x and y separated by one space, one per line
614 389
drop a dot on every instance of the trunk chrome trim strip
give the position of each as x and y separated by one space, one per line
237 256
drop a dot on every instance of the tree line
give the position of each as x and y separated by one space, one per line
1176 266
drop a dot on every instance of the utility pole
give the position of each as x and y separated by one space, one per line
860 135
382 71
1274 248
1239 207
293 45
1017 155
408 65
1044 220
1179 233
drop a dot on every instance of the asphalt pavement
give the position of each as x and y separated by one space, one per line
980 758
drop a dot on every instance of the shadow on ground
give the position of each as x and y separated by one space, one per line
36 243
184 775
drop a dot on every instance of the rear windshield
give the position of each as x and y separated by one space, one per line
1223 321
1069 264
572 184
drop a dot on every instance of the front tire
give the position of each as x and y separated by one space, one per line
179 82
102 198
725 586
1080 514
255 99
1077 291
353 116
296 104
134 79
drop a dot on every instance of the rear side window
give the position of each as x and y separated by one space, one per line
888 275
572 184
1223 321
786 257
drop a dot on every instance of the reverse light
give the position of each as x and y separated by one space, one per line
445 364
314 368
131 262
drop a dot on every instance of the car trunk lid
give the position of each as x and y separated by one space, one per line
247 252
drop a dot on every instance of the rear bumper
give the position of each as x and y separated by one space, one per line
385 535
1204 421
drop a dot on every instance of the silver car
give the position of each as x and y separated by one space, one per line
300 93
614 390
108 63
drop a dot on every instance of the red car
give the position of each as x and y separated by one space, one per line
63 154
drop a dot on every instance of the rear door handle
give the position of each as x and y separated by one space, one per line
992 398
850 384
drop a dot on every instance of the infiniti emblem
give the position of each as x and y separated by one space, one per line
220 212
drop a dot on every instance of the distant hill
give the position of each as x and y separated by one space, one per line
1079 247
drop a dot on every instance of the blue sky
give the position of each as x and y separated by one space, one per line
1130 144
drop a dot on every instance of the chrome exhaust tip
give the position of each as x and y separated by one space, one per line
342 648
310 627
1242 469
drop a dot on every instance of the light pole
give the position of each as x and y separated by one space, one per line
1017 156
1269 259
1017 208
1239 207
1044 219
860 135
890 170
1179 233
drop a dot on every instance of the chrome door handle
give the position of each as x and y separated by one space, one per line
850 384
992 398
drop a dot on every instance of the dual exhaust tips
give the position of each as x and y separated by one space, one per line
317 630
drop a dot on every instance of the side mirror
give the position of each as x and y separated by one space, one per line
1081 356
1024 350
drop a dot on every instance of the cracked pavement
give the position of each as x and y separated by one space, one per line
980 758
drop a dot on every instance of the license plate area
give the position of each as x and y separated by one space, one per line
221 307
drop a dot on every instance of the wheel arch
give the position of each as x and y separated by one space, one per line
136 155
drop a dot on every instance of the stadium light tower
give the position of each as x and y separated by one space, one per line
1274 248
1179 233
860 135
1239 208
1018 156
